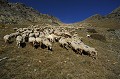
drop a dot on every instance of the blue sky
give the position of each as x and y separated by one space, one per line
71 11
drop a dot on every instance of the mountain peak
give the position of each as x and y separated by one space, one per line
117 10
111 20
115 14
96 16
5 1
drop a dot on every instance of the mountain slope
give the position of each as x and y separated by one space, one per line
114 14
18 13
111 20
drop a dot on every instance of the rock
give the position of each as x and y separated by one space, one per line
3 58
18 13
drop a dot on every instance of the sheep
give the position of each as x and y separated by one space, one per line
88 36
45 36
47 43
14 34
57 32
41 34
46 32
24 29
75 35
63 42
37 29
76 38
19 40
25 37
90 51
35 26
52 37
32 40
7 38
37 34
39 40
51 31
55 37
31 35
76 47
15 29
20 30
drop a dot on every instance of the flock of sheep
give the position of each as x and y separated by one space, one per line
46 36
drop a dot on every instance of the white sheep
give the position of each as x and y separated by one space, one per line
52 37
14 34
47 43
19 40
7 38
25 37
24 29
38 39
51 31
90 51
37 29
15 29
41 34
76 47
32 40
20 30
37 34
88 36
55 37
67 34
31 35
63 42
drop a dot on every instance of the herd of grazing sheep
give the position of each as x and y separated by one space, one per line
46 36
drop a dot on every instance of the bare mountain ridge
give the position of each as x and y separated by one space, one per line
115 14
18 13
111 20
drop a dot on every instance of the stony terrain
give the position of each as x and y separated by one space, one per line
18 13
29 63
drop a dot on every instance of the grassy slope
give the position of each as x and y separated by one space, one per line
105 23
29 63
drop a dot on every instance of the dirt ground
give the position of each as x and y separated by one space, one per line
30 63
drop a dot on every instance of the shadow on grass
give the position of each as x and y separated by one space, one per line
98 37
23 45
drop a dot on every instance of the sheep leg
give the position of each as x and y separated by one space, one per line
93 55
80 52
61 45
19 45
5 41
50 48
65 46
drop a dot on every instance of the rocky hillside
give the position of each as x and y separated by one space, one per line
111 20
18 13
115 14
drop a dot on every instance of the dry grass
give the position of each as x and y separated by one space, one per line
98 37
91 31
29 63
